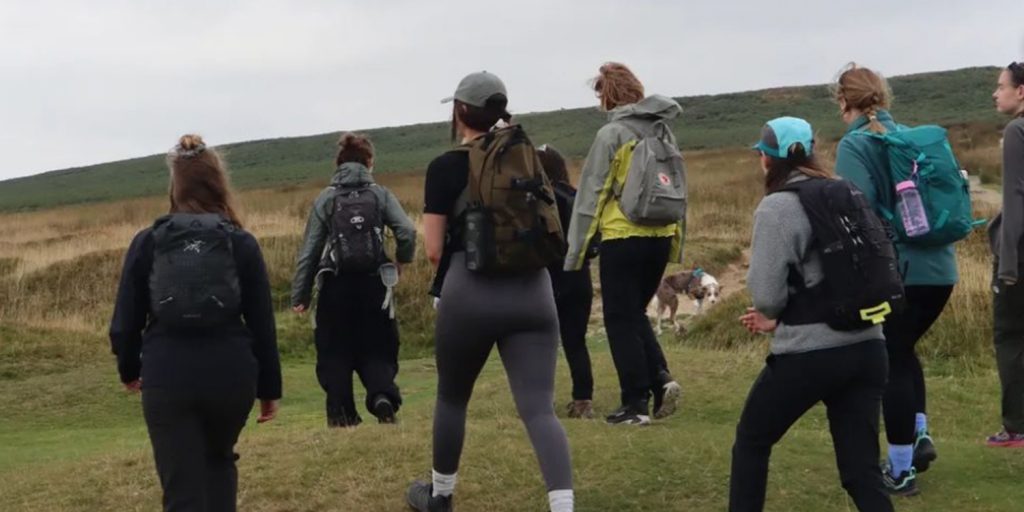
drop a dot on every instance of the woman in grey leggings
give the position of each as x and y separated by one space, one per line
476 312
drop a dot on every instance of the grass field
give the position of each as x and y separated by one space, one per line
76 442
71 440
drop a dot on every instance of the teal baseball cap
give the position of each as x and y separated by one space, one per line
780 134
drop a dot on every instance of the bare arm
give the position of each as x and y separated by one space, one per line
434 227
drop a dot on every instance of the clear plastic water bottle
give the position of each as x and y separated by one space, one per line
915 220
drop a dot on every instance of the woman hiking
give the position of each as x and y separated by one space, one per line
929 274
633 256
478 310
343 255
574 294
193 328
810 361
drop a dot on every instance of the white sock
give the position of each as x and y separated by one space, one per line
561 501
921 422
444 485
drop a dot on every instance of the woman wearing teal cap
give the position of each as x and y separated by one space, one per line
810 361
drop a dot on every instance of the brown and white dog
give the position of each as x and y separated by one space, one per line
696 284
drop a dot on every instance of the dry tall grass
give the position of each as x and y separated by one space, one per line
59 267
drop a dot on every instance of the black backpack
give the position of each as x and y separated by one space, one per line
861 284
357 230
194 283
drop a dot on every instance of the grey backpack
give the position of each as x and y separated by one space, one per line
654 193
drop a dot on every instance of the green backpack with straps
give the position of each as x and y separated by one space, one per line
923 154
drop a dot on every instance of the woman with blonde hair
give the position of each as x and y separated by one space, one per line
633 256
193 329
929 274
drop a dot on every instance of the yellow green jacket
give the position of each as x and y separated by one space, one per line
596 209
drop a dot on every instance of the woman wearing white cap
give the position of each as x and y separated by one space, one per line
477 311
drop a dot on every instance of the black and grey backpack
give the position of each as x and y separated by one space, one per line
357 230
194 281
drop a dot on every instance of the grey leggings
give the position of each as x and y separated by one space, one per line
518 314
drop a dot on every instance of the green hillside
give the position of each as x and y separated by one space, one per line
960 96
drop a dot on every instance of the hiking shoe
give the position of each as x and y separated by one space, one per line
627 415
903 485
421 498
582 409
343 421
384 410
666 400
1006 439
924 451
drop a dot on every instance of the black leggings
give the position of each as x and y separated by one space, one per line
631 270
905 393
574 297
353 334
850 381
518 315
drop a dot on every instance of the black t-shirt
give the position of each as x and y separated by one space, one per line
447 176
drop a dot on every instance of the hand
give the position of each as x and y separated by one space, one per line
757 323
299 309
268 410
134 386
437 300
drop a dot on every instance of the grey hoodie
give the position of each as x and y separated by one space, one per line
782 237
318 228
594 190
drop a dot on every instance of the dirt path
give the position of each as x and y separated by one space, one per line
985 195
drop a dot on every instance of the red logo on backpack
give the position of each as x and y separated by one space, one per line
664 179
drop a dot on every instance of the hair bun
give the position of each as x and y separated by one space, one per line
346 140
189 146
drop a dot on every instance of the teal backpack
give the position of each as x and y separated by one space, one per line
923 154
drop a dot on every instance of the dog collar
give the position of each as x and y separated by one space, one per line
698 272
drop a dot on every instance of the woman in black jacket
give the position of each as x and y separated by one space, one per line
574 294
193 330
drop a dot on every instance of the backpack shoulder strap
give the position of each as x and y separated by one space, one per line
633 128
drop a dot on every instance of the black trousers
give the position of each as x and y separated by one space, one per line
850 381
905 393
631 270
353 334
574 297
1008 333
193 432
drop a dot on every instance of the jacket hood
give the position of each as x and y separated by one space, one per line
352 173
654 105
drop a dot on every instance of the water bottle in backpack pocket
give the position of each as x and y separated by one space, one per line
911 209
923 157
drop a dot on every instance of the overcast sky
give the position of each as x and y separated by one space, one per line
89 82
